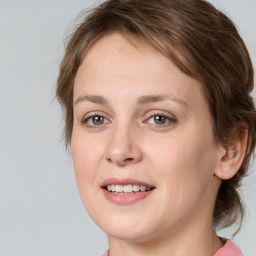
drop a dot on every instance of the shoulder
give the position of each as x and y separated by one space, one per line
229 249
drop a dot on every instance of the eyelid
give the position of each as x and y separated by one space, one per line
160 113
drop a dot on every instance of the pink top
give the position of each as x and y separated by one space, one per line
229 249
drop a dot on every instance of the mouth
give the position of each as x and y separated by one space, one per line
126 191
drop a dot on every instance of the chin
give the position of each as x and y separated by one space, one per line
132 236
128 229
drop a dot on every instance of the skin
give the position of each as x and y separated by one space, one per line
179 157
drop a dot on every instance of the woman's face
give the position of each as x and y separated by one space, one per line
141 124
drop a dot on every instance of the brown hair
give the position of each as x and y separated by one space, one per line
204 44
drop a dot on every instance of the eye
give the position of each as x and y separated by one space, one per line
160 119
94 120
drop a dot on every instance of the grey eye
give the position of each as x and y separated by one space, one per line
95 120
160 119
98 120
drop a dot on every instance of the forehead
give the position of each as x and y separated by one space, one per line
115 45
114 64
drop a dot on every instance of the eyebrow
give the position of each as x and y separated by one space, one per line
157 98
92 98
141 101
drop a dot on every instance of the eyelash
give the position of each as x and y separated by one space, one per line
170 119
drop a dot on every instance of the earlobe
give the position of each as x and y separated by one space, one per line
231 157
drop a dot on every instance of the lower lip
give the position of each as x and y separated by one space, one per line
127 199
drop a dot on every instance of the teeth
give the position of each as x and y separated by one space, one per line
142 188
136 188
119 188
126 188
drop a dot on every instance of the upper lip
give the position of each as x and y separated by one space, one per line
125 181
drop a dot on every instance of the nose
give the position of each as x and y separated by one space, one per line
123 147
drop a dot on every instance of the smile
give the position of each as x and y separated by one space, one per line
125 191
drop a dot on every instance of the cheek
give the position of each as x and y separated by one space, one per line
86 159
185 166
86 154
180 156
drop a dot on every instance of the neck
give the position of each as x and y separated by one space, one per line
193 243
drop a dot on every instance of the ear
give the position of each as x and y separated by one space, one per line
232 156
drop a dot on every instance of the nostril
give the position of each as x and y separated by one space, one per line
128 159
109 159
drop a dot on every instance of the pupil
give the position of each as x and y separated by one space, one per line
98 120
160 119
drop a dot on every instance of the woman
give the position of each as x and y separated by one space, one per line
161 124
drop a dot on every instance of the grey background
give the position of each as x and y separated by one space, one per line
41 213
